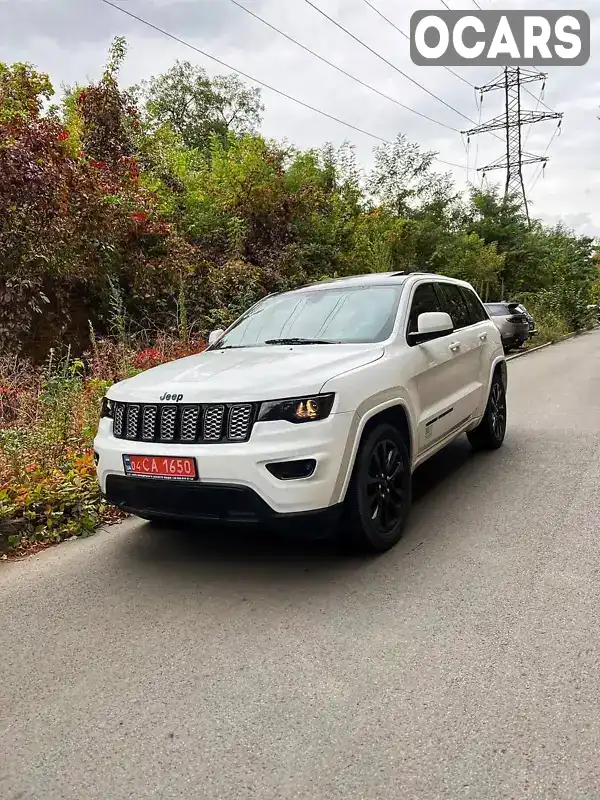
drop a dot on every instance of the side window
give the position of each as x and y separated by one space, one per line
424 300
455 305
476 310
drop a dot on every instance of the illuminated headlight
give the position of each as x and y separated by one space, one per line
301 409
106 409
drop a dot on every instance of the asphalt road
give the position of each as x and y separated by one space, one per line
463 664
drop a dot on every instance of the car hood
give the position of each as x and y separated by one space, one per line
246 374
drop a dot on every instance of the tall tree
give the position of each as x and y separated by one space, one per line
403 179
108 114
196 106
23 91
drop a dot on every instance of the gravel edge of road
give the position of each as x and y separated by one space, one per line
549 344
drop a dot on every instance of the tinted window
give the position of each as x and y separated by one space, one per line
339 315
425 300
476 310
455 305
497 309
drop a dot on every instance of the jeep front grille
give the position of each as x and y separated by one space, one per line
184 424
213 423
238 422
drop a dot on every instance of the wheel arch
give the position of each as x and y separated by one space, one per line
395 412
499 367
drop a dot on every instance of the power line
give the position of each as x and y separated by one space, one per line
477 4
406 36
240 72
542 167
446 4
537 105
389 63
531 94
342 71
256 80
480 104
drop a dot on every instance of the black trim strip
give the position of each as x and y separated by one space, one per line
438 418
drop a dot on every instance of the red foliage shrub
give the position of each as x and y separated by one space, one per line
147 359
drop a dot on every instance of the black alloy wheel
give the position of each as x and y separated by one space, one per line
383 487
379 495
497 410
490 433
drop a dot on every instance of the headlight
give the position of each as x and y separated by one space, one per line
106 410
301 409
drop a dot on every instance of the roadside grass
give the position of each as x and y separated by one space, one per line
48 420
550 328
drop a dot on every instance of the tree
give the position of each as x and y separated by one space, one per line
403 180
502 221
469 258
196 107
22 92
69 223
108 115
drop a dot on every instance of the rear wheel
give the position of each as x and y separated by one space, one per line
490 433
379 496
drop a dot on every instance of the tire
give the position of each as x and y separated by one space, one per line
376 510
490 433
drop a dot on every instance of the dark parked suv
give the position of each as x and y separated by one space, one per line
513 321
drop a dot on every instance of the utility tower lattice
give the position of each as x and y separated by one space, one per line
512 122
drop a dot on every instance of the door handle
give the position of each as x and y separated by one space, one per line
483 337
454 346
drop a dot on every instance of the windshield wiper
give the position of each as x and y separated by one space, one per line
299 340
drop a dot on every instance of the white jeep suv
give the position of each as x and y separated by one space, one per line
316 405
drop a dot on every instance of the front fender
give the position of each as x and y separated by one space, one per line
369 408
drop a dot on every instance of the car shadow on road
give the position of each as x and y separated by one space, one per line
238 550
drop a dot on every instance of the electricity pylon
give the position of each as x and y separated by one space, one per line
512 122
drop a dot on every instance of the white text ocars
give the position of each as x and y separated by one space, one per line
314 407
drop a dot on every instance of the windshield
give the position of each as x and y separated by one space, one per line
327 316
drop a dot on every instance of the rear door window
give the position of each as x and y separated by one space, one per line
455 305
476 310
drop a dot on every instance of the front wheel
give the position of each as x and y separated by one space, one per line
379 496
490 433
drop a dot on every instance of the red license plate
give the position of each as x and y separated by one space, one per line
171 467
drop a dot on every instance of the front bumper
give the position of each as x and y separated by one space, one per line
239 468
217 503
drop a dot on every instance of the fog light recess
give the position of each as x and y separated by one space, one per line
96 458
293 470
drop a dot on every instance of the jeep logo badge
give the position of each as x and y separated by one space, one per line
176 398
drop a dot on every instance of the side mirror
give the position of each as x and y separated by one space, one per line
215 335
431 325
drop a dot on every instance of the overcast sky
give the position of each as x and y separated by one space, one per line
69 39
